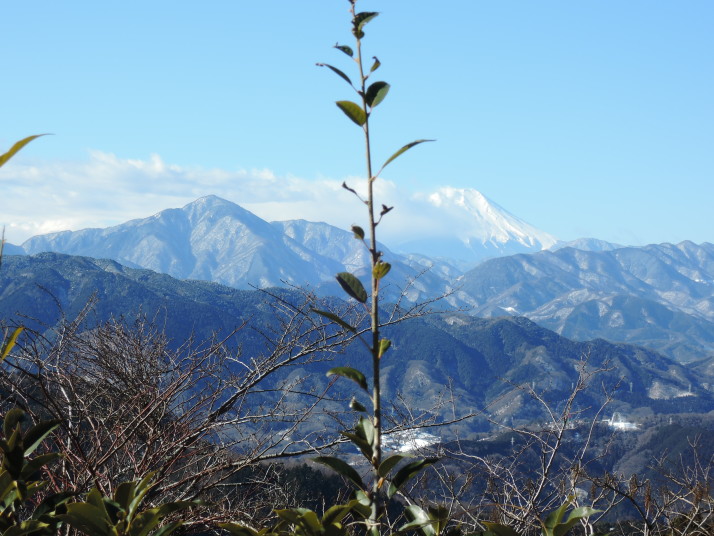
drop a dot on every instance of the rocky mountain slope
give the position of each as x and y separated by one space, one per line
215 240
658 295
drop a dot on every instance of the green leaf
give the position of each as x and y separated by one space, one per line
124 494
238 530
582 512
384 345
143 523
49 504
337 72
352 286
31 526
358 232
344 48
555 517
87 518
575 515
168 529
365 429
334 318
336 513
15 148
8 345
356 406
359 22
351 374
376 93
341 468
375 65
361 443
407 472
381 269
142 487
500 530
35 464
390 463
38 433
11 422
418 520
354 111
402 150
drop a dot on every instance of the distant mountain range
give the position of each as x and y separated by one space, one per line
659 296
480 359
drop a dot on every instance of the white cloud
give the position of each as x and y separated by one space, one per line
106 190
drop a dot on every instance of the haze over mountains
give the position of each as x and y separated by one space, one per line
659 296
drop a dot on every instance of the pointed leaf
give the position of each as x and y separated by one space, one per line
499 529
384 345
418 520
31 526
334 318
168 529
342 468
12 420
337 72
344 48
576 515
407 472
376 93
358 232
49 504
35 464
582 512
359 22
365 429
351 374
87 518
390 463
556 516
385 210
10 343
352 286
361 443
142 487
144 523
176 506
354 111
238 530
124 494
381 269
375 65
403 150
356 406
15 148
38 433
336 513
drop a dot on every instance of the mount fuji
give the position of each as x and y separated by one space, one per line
466 226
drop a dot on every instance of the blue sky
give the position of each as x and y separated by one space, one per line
582 118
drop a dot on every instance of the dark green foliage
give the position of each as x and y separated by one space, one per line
21 479
122 514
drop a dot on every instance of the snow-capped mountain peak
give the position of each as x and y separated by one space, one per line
470 227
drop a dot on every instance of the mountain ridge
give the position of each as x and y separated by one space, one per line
479 359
